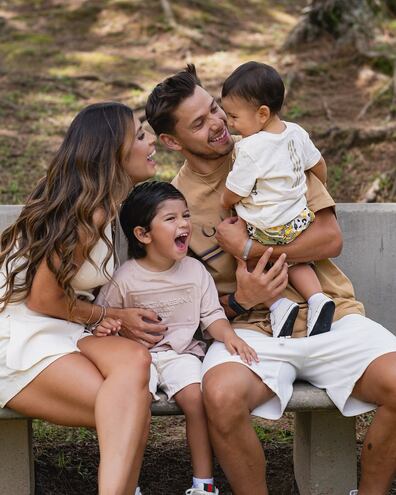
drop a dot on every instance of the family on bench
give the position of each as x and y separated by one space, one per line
259 285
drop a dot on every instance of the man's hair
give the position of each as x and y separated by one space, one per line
167 96
139 209
256 83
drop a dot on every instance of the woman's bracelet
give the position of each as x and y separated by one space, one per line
103 312
88 322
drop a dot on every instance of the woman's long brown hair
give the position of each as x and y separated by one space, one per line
85 175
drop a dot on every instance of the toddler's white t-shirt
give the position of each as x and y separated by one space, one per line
269 174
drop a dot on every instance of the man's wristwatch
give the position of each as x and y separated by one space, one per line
235 306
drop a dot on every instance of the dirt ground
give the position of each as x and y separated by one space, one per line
57 56
66 459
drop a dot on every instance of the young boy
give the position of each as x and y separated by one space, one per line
267 184
160 276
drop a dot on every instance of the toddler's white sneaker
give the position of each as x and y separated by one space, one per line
320 316
283 317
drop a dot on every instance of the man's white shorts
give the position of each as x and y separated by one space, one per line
171 372
332 361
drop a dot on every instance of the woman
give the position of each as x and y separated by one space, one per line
51 259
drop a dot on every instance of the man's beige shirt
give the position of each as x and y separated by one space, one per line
203 197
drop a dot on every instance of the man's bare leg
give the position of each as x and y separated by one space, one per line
231 391
378 385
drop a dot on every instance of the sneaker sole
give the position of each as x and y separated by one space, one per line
287 328
325 319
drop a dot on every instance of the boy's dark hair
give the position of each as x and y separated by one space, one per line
257 83
139 209
167 96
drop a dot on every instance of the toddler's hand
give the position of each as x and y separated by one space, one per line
108 326
236 345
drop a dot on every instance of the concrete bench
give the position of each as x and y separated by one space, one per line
324 441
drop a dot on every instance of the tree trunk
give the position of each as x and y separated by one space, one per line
347 21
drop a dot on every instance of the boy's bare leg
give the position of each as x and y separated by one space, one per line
304 279
378 461
231 391
189 399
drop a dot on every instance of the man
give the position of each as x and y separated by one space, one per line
357 355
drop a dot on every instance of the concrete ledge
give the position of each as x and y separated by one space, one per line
10 414
305 398
16 457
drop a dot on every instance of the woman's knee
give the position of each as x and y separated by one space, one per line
133 359
126 358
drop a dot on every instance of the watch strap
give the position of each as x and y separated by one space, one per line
235 306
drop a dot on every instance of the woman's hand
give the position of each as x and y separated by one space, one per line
108 326
231 234
236 345
141 325
261 286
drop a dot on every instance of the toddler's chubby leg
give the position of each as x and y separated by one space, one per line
320 307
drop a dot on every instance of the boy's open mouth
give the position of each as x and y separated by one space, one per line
181 240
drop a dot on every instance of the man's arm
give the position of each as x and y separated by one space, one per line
322 240
257 286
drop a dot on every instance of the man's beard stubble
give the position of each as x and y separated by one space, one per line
210 156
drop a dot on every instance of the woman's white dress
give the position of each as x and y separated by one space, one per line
31 341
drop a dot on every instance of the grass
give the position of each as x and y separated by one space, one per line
273 434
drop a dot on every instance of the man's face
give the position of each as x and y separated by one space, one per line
201 127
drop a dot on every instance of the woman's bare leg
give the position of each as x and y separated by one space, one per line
122 410
54 395
104 386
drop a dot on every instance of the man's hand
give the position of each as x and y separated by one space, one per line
231 234
141 325
259 286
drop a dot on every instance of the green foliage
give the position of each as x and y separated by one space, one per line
273 435
295 112
47 432
383 64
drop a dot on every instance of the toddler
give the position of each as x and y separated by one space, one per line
267 184
160 276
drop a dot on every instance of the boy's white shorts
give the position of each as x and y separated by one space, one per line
171 372
332 361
